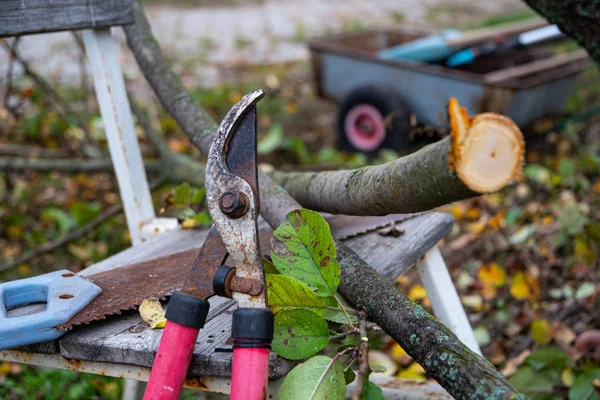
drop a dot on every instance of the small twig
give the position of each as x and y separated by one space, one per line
153 136
8 149
363 357
65 165
344 334
9 76
344 311
62 107
76 234
333 360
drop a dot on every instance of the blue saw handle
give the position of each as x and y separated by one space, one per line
64 293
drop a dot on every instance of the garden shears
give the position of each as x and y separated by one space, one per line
233 202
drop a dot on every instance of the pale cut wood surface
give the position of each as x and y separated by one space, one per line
127 339
21 17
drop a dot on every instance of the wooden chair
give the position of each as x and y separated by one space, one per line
124 346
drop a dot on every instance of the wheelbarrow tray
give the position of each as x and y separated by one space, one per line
524 84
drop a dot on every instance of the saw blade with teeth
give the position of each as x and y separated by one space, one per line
126 287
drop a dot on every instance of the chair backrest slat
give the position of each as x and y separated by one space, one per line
22 17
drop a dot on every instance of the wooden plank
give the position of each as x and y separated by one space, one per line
392 256
129 340
22 17
534 67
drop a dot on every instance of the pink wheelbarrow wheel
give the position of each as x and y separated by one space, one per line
373 117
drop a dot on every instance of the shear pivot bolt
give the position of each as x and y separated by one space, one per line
233 204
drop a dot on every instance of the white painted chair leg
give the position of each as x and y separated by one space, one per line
444 298
103 54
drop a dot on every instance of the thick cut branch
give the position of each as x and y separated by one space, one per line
483 155
464 375
579 19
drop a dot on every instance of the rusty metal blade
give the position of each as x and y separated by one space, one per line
125 288
212 255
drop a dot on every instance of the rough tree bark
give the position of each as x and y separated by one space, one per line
579 19
463 373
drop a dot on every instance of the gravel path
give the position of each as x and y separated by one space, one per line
201 39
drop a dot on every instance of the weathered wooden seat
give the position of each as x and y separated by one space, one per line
124 345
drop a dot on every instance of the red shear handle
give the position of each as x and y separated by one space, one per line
171 362
252 333
250 374
186 315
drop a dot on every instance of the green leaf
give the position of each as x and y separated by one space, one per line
583 388
523 234
84 212
372 392
537 173
299 334
182 195
535 385
549 357
287 293
571 219
349 375
338 316
272 141
566 168
304 249
65 221
198 196
269 268
482 336
512 215
301 382
586 289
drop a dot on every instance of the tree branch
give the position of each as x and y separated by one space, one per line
579 19
9 149
483 154
64 165
450 362
363 359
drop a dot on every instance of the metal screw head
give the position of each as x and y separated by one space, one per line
233 204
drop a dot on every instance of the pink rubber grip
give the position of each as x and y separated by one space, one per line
172 362
250 374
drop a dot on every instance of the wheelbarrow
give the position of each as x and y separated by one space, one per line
379 100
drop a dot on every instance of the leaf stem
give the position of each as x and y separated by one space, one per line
344 311
333 360
353 331
363 360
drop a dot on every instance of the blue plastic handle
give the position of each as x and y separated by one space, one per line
64 293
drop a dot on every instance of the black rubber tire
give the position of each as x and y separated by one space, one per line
394 111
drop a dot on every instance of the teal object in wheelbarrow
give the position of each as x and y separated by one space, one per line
64 293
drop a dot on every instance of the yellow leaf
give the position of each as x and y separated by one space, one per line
4 368
14 232
476 227
488 291
413 372
399 355
291 108
597 187
473 301
189 223
24 269
417 292
234 96
457 210
403 280
152 312
492 274
524 287
498 220
567 377
547 220
583 251
541 331
473 213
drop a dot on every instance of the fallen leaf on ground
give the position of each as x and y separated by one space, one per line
524 287
541 331
152 312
